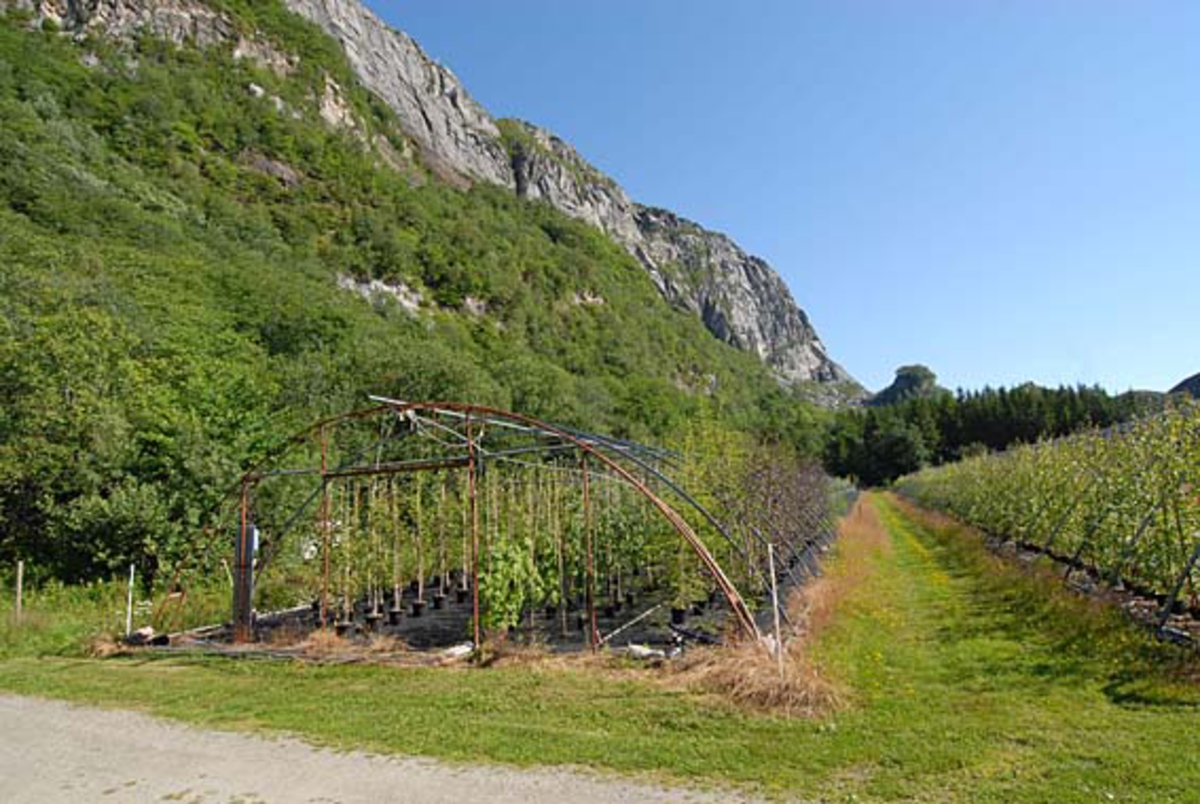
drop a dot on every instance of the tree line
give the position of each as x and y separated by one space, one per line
875 445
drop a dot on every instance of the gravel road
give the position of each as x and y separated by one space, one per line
52 752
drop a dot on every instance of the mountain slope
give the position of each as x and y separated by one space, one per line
1189 386
740 298
205 248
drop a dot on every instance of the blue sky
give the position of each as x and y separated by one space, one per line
1005 191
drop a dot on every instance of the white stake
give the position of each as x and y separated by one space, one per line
129 604
20 586
775 607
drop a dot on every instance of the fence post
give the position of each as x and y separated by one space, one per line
129 604
20 587
775 607
243 572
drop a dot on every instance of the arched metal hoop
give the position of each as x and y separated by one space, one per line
606 452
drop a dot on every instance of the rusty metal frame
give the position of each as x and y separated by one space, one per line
590 447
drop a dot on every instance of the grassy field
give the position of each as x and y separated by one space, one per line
965 680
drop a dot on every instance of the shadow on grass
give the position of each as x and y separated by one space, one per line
1064 638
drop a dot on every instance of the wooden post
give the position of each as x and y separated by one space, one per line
129 603
775 607
591 561
326 532
474 534
20 588
556 519
243 573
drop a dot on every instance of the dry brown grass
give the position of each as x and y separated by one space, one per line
861 538
326 644
540 658
504 652
749 677
104 646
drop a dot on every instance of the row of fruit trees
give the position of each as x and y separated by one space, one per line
1123 503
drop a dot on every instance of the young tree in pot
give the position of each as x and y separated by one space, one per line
419 533
396 612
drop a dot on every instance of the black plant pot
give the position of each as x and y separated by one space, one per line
629 599
439 601
551 612
610 611
460 595
395 614
418 607
344 627
372 619
579 623
678 616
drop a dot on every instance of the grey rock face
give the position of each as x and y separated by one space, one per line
740 298
548 169
456 136
176 20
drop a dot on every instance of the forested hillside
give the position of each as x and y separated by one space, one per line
188 240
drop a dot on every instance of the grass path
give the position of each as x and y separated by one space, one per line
986 684
967 681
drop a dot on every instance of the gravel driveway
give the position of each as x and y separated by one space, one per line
53 752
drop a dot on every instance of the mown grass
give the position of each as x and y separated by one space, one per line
967 680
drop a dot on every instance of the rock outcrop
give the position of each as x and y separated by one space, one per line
175 20
912 382
457 137
740 298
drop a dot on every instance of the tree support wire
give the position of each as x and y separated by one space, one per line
1165 613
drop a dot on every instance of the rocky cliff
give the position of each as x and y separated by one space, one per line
740 298
456 136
